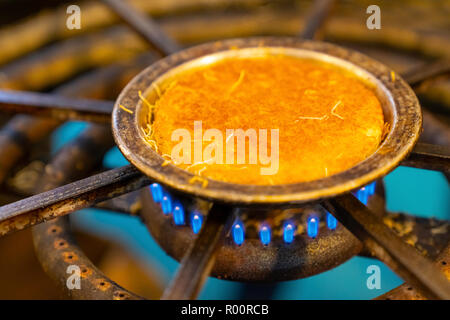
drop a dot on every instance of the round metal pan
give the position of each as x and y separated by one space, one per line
400 106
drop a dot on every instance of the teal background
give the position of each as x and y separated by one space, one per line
415 191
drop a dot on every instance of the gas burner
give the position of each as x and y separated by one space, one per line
234 232
261 246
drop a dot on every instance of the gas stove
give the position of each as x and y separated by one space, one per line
53 73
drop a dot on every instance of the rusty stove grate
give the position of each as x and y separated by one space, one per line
58 196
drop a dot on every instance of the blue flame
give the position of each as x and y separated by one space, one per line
362 195
166 203
331 221
265 234
196 222
365 192
371 188
312 226
157 192
238 232
178 213
288 232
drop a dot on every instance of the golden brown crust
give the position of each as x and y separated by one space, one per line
328 120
